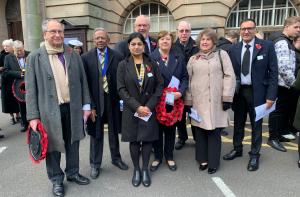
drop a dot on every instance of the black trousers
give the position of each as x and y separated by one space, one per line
243 105
96 144
281 120
22 107
165 144
54 171
208 146
181 128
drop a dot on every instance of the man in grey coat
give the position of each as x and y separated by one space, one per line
57 95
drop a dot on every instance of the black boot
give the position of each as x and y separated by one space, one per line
136 178
146 178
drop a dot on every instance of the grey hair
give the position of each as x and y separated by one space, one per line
45 24
18 44
8 42
185 22
101 29
146 17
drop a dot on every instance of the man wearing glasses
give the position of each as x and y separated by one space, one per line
141 25
184 45
255 65
57 95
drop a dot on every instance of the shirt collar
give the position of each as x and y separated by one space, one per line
99 52
251 43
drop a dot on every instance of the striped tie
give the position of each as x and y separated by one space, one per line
105 84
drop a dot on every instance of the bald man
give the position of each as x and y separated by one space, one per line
184 45
141 25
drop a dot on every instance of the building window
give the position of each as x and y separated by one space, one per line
160 17
266 13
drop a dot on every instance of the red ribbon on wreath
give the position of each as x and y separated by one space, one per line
169 118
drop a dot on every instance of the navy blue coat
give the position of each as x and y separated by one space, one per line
264 72
176 67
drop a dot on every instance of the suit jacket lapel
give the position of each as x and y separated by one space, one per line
148 69
255 50
172 63
239 53
132 72
110 57
67 55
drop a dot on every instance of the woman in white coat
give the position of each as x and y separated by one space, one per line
210 93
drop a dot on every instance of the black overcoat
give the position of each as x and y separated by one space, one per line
133 128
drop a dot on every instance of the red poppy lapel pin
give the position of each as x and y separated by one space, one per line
153 43
258 46
148 68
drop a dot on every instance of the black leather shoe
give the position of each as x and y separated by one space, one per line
253 164
172 167
232 155
120 164
282 139
136 178
211 170
155 167
203 166
23 129
13 121
146 180
276 145
79 179
179 144
58 189
95 173
224 133
298 163
1 136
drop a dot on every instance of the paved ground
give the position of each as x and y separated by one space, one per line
278 174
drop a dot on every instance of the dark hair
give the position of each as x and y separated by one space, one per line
136 35
248 19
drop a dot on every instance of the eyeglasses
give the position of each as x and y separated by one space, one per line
55 31
247 28
184 30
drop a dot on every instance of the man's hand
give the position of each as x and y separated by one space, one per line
33 123
86 114
93 115
269 103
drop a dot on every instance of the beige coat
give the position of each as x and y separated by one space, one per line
208 88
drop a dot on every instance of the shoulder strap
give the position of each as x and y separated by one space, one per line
221 61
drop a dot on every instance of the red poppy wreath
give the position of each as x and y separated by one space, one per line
169 118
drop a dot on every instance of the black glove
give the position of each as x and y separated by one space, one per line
226 105
188 109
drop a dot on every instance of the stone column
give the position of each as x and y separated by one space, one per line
31 23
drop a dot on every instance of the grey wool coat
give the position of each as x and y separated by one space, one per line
42 100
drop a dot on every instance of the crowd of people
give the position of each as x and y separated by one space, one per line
144 88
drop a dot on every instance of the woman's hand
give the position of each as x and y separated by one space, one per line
177 95
143 111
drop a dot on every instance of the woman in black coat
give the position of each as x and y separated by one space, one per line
139 85
9 102
171 65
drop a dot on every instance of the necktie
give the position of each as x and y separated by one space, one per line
105 83
62 60
246 61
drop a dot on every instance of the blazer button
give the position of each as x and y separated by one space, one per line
49 77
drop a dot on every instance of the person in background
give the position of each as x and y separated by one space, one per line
14 68
76 45
57 94
184 45
9 102
171 65
210 93
282 118
139 85
296 123
141 25
101 65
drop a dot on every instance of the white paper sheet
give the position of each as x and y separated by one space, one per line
145 118
174 83
194 115
262 111
170 97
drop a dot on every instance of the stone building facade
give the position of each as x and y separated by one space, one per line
82 16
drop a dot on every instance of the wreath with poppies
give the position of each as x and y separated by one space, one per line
169 118
43 142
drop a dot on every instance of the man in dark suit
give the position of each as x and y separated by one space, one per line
141 25
184 45
255 65
101 64
14 68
